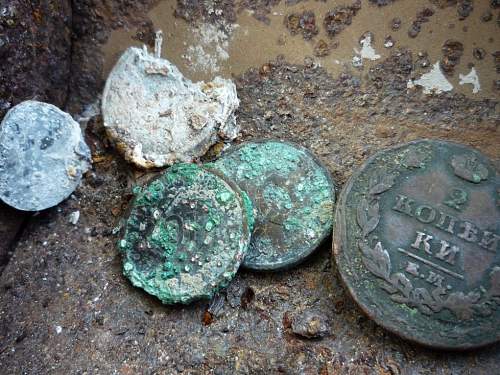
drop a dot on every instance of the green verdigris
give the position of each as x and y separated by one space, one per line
186 234
293 195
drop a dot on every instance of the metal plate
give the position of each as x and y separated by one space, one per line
293 195
417 243
186 235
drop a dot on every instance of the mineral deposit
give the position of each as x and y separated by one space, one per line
186 235
42 156
156 116
417 243
293 195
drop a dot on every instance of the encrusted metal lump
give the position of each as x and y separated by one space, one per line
293 195
186 235
43 156
157 117
417 243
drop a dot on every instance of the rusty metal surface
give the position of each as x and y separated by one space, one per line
416 243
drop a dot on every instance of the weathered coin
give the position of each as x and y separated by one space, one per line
186 235
417 242
293 195
42 156
156 117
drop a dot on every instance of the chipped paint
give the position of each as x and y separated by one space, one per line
432 82
367 51
471 78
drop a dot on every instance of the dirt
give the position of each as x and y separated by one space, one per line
65 306
35 50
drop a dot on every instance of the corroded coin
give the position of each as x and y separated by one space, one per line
417 242
43 156
186 235
293 195
156 116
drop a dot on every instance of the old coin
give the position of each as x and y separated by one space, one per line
42 156
417 243
186 235
293 195
156 116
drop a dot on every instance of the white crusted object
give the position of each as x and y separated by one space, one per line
157 117
432 82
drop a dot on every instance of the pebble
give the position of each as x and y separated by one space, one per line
388 42
74 217
395 24
479 53
310 324
43 156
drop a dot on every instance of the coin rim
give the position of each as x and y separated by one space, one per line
340 236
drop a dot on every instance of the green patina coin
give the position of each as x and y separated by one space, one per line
186 234
417 243
293 196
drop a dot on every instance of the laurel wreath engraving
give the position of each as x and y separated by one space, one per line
377 260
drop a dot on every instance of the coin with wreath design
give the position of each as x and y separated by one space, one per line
417 243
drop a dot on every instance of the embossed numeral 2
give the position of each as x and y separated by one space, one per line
456 199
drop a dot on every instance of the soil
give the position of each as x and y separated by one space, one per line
65 306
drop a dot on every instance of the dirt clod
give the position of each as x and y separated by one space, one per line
304 23
479 53
310 324
321 48
452 52
464 9
395 24
340 17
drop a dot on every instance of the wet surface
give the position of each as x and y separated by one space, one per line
66 308
231 46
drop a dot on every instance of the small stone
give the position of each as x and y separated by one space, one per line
414 30
308 62
496 85
43 156
479 53
388 42
422 60
310 324
74 217
156 116
381 3
395 24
